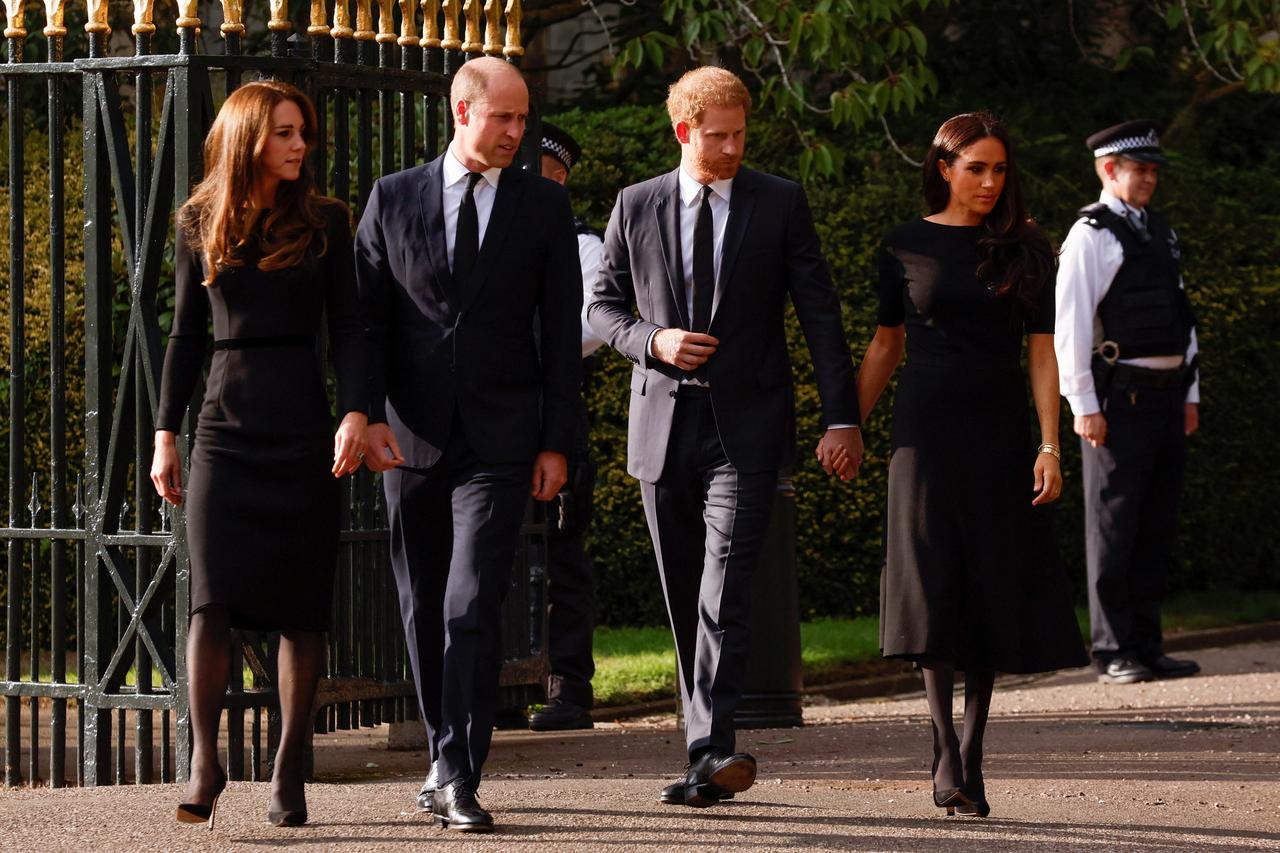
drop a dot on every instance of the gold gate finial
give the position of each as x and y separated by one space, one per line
386 22
279 22
430 23
515 14
450 40
471 11
341 20
232 17
319 25
143 12
97 18
408 24
493 27
364 20
54 11
188 14
13 20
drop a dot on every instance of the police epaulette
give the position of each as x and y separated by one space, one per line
1098 215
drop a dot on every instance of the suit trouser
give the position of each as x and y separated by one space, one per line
708 522
454 532
570 582
1131 487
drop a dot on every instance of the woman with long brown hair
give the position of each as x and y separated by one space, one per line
972 578
263 254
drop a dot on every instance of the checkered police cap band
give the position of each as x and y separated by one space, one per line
1128 143
558 151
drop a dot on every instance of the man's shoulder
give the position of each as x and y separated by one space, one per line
405 178
649 190
767 182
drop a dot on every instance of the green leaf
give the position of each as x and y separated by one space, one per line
691 30
1173 15
918 39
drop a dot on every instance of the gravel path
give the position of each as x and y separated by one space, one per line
1072 765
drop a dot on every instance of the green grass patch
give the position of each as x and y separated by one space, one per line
639 664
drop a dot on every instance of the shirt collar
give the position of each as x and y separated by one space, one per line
1118 206
455 172
690 187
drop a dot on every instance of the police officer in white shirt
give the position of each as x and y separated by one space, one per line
1127 359
570 587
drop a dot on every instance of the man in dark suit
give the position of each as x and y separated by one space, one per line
707 255
457 261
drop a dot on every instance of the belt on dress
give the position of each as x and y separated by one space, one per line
266 341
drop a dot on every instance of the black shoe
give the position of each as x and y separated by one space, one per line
429 787
200 813
977 805
559 716
455 807
1125 671
713 775
289 817
673 794
1167 667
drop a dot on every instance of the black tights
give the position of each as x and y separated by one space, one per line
300 661
957 763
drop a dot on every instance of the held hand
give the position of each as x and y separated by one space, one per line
550 471
1092 428
840 452
685 350
348 443
1191 418
381 452
166 469
1048 483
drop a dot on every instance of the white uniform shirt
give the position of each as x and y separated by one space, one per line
590 255
454 180
1087 266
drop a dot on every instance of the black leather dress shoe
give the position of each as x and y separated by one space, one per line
455 807
673 794
713 775
429 787
559 716
1167 667
1125 671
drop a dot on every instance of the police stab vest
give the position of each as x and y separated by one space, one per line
1146 312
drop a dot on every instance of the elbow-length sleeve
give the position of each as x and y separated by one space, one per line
188 337
348 347
891 287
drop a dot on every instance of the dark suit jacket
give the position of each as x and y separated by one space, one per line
770 251
433 350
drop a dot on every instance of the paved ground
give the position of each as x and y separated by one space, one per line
1073 765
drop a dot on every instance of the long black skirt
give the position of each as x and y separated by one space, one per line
972 572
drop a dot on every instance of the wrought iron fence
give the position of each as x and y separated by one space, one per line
103 547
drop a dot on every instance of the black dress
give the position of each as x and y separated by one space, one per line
972 573
262 504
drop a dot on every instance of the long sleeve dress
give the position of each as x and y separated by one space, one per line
972 572
262 504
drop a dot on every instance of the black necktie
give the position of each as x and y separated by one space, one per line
704 265
466 244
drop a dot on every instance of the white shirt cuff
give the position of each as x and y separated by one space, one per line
842 426
1084 404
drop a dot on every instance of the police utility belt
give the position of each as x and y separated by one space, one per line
1109 372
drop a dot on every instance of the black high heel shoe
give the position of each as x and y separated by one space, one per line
947 798
289 817
200 813
977 805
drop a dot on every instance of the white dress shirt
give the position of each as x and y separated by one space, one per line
1087 265
590 255
455 187
690 202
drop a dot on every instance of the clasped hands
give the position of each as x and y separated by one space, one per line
550 469
839 450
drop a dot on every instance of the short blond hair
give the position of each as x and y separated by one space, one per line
708 86
471 81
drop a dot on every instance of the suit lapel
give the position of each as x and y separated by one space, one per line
742 200
667 211
431 198
510 188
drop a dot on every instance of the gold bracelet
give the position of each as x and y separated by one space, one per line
1051 449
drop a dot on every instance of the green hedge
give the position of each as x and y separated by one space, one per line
1228 218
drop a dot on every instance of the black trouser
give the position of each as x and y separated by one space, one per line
708 522
570 587
454 532
1131 487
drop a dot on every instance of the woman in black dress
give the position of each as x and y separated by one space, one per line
972 577
266 256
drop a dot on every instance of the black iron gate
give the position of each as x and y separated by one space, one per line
86 534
